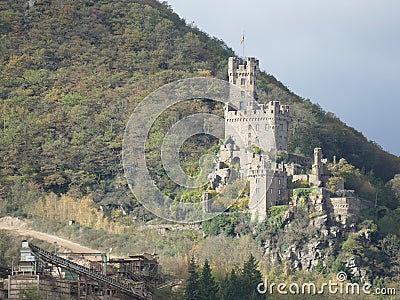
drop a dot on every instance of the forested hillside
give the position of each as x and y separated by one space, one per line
71 73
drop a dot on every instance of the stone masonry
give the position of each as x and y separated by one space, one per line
254 132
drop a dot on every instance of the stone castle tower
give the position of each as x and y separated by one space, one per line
254 121
244 74
253 133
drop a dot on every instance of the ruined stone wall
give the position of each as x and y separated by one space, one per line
347 209
300 159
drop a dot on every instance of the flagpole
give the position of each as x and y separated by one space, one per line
243 41
243 49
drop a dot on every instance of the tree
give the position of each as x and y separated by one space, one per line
208 286
223 291
229 288
221 224
242 284
390 246
250 278
192 291
394 184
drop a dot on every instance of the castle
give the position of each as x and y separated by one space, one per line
254 134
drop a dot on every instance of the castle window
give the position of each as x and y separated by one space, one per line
249 135
257 127
271 191
257 180
266 127
279 181
249 126
242 81
241 106
257 190
242 94
279 191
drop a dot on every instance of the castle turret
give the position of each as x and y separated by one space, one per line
278 116
319 175
244 74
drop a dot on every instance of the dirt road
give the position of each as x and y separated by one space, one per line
17 226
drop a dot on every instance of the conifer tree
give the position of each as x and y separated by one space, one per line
192 291
250 278
223 291
208 286
230 287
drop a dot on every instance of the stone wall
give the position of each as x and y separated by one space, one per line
346 210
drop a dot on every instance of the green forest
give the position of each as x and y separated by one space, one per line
71 74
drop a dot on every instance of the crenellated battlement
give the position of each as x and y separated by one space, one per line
251 64
244 74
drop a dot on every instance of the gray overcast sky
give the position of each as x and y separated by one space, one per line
341 54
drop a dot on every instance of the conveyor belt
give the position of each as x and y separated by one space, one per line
126 289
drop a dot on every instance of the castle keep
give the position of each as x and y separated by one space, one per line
254 134
254 122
